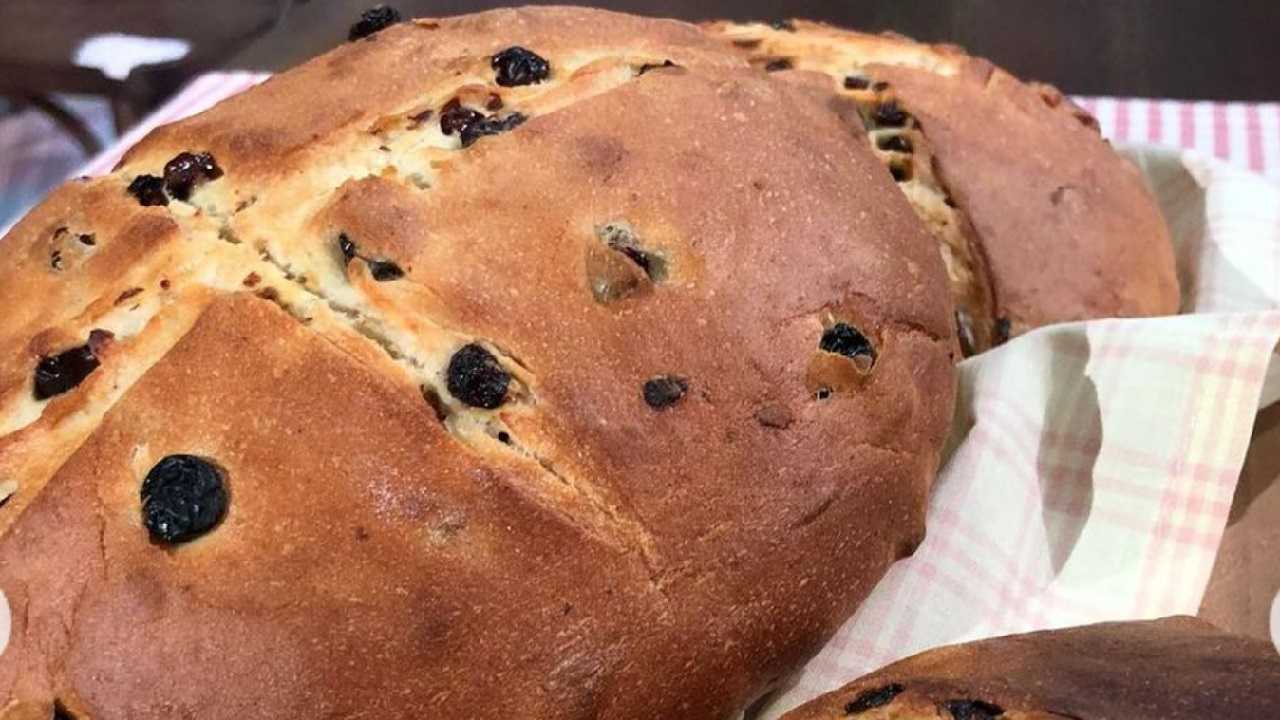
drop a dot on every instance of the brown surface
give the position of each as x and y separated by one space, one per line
1246 575
1172 669
607 560
1068 229
1064 227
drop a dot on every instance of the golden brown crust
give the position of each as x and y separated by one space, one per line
1065 228
1177 668
1025 169
401 67
392 551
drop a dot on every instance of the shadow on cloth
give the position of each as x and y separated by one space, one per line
1069 445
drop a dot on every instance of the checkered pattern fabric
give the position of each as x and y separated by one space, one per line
1092 465
1246 135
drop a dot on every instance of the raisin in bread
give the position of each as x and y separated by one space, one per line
543 363
1177 668
1038 218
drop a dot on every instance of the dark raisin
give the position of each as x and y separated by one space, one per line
454 117
504 437
149 190
432 396
653 66
972 709
964 331
620 237
384 270
476 378
787 25
823 393
895 143
490 126
888 114
517 66
778 64
880 86
638 257
347 247
127 294
901 171
59 373
207 166
414 121
664 390
183 497
372 20
60 712
88 239
856 82
55 259
872 699
1002 329
494 102
844 339
187 170
1087 120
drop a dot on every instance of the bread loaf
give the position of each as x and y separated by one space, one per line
543 363
1177 668
1039 220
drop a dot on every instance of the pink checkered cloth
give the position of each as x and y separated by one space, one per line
1092 465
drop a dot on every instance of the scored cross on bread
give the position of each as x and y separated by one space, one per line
541 363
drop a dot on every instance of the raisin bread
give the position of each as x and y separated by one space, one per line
1177 668
1038 218
542 363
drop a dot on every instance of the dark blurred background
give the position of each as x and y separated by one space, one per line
1203 49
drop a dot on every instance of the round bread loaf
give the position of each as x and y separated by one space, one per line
1038 218
1177 668
546 363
